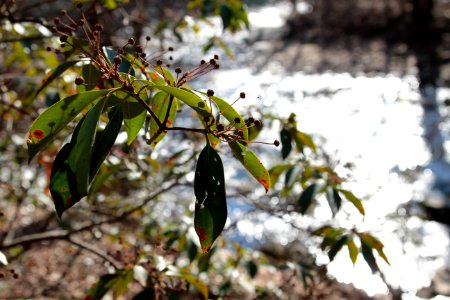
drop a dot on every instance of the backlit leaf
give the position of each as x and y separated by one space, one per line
352 250
354 200
368 257
276 171
374 243
304 139
186 275
55 73
160 105
337 246
210 206
134 118
55 118
252 163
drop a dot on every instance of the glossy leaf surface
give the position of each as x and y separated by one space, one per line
252 163
55 118
210 206
82 147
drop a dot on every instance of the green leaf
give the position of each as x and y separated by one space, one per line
252 268
90 74
160 105
276 171
336 247
210 206
354 200
306 197
62 185
252 163
82 147
124 66
134 118
165 76
352 250
286 143
55 73
186 275
334 200
101 287
304 139
374 243
368 257
105 139
55 118
191 99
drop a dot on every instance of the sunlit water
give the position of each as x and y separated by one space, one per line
373 123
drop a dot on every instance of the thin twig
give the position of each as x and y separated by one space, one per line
117 265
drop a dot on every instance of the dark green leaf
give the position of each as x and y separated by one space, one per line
90 74
336 247
369 258
286 143
62 185
306 197
55 73
82 147
374 243
101 287
252 163
55 118
252 268
334 200
225 14
210 206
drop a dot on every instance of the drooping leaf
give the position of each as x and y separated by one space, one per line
134 118
252 163
210 206
374 243
160 106
105 139
252 268
334 199
82 147
354 200
186 275
352 250
286 143
124 66
55 73
55 118
63 187
306 197
306 140
369 257
337 246
101 287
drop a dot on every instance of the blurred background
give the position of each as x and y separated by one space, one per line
367 80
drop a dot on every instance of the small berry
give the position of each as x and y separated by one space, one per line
240 133
220 127
53 29
16 276
242 95
120 50
117 60
159 62
63 38
64 12
202 62
170 58
143 55
63 45
212 61
131 41
178 70
170 49
251 120
237 120
98 27
216 66
79 81
147 38
210 93
257 123
216 56
139 49
206 119
57 21
168 65
276 143
48 48
145 64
